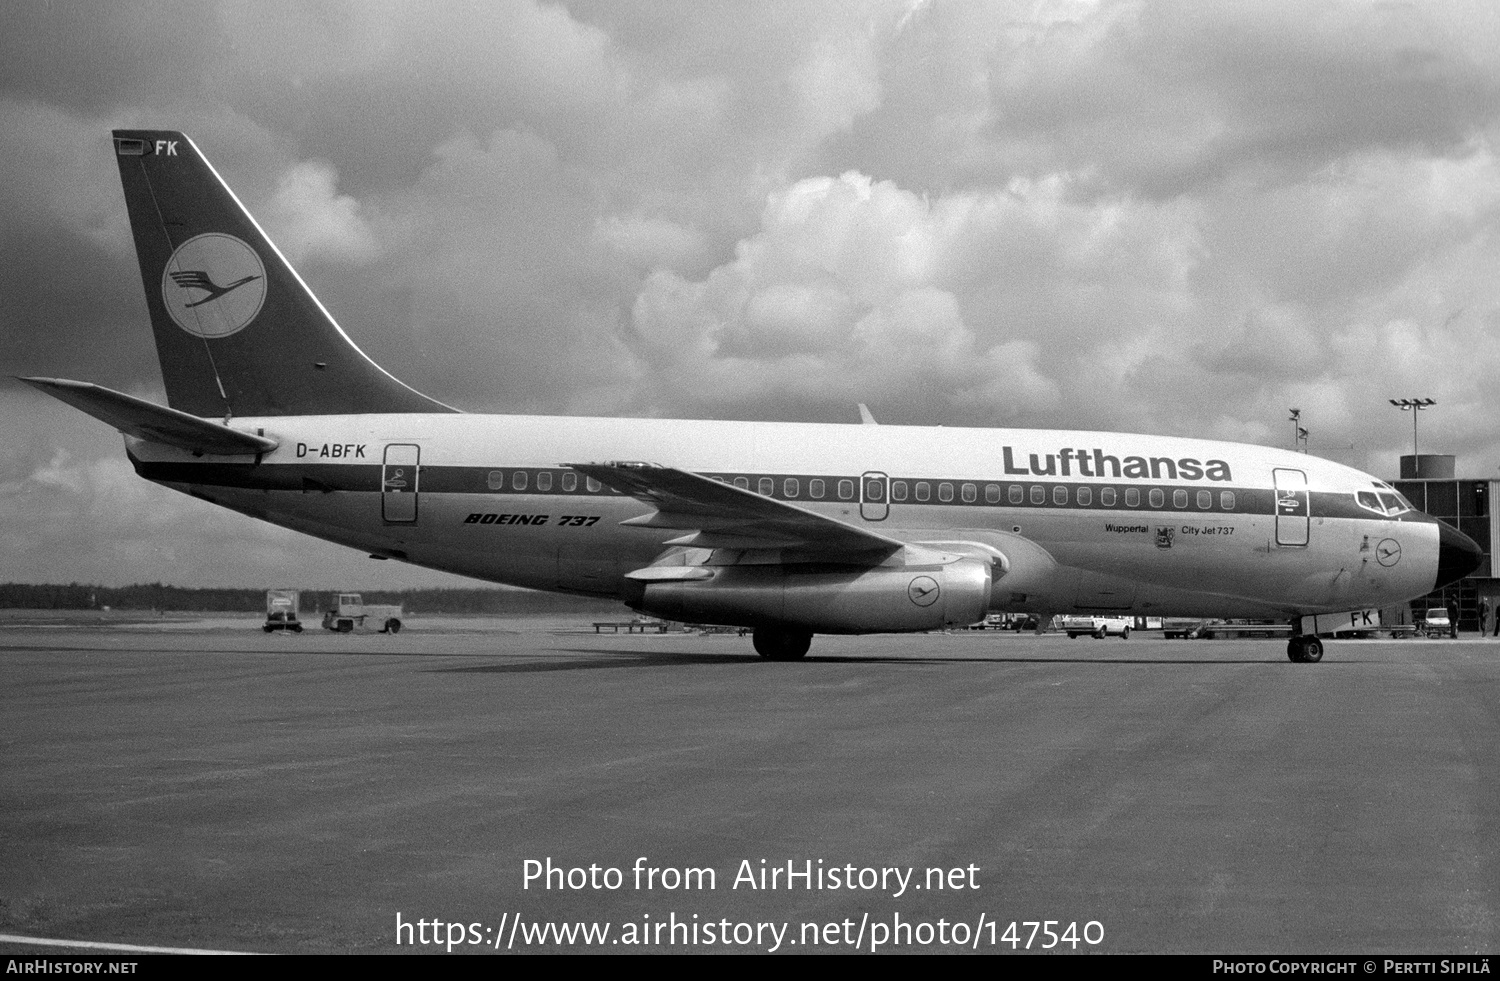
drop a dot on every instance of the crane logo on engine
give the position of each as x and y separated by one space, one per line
923 591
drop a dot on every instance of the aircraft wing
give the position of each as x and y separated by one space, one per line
720 515
157 423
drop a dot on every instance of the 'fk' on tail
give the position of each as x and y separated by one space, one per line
237 330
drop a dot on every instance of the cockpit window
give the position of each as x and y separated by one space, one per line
1395 503
1384 500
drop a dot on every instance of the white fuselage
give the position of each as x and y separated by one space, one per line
1085 521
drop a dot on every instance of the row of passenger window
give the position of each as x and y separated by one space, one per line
566 481
817 487
1060 495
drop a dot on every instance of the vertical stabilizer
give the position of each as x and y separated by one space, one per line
237 330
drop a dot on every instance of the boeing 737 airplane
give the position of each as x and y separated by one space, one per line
789 529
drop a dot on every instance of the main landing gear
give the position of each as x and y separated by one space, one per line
780 645
1305 650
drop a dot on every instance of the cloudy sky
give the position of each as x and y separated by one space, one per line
1167 217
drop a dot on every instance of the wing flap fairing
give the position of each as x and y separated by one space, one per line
720 515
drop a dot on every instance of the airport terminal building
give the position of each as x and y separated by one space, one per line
1428 481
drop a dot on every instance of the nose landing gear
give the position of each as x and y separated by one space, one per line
1305 650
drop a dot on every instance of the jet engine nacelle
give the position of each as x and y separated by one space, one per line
822 600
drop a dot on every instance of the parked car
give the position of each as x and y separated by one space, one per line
1097 627
1436 623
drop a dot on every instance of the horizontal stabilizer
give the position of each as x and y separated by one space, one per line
149 421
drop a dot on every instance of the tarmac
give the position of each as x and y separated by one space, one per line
488 785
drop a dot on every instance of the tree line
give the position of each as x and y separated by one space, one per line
158 596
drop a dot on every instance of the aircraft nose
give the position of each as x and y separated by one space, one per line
1458 555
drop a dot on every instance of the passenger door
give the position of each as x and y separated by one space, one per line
398 483
1293 511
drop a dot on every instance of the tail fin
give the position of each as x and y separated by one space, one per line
237 330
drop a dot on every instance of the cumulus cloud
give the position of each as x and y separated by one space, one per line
842 296
308 218
976 307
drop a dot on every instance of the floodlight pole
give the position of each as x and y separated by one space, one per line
1299 435
1413 406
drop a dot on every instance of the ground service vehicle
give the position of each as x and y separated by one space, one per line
1436 623
281 610
1187 628
786 529
350 613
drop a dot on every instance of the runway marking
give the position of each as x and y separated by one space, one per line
123 948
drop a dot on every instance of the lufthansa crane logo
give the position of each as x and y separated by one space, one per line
213 285
923 591
1388 552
